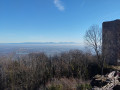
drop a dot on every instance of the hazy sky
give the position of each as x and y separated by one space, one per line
53 20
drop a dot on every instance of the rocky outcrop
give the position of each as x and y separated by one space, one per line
107 82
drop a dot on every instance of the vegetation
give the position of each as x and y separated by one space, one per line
93 39
33 71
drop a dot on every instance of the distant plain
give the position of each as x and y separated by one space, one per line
49 49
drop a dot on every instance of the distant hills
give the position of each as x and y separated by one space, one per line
50 43
43 43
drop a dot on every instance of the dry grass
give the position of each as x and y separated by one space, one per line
66 84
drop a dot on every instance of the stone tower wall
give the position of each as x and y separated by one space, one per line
111 41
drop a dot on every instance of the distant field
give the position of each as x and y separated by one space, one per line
49 49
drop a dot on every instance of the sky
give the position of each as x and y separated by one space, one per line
53 20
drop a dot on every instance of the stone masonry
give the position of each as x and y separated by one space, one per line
111 41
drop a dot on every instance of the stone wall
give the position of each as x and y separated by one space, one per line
111 41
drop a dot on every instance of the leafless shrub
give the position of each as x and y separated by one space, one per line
35 70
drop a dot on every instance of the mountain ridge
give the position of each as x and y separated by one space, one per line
43 43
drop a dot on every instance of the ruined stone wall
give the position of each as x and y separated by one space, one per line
111 41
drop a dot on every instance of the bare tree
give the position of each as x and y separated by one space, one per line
93 38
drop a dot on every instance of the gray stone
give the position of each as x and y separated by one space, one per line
111 41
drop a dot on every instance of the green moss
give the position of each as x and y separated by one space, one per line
84 87
55 87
